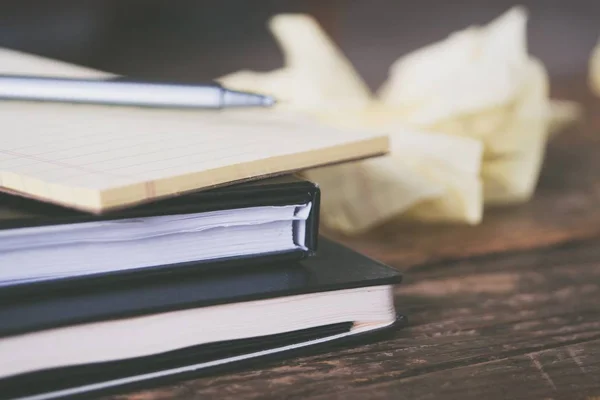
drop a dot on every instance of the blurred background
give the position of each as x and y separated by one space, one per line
183 40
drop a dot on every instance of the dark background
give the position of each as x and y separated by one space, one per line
201 40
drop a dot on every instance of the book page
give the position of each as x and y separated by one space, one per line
96 157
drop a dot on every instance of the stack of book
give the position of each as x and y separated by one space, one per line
139 246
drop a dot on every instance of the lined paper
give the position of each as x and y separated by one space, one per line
97 157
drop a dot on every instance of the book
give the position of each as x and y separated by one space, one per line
97 158
45 244
88 342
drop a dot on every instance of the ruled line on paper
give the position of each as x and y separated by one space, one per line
103 149
39 160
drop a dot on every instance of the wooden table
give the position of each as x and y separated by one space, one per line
509 309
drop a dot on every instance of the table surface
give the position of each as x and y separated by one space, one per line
506 309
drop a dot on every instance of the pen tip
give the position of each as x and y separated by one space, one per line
232 98
269 101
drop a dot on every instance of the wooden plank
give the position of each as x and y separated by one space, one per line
563 209
462 315
569 372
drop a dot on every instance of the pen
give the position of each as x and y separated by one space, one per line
127 92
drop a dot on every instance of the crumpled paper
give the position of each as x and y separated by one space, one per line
419 180
472 83
482 83
594 69
468 118
564 114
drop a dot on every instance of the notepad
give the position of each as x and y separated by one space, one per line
97 158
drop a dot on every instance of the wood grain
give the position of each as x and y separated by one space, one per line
504 310
570 372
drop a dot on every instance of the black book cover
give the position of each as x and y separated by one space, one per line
17 212
335 267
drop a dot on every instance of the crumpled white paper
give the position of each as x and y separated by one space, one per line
316 78
422 179
471 83
425 176
594 69
482 83
468 118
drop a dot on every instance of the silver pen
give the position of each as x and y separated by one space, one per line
125 92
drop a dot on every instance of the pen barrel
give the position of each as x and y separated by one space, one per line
111 92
